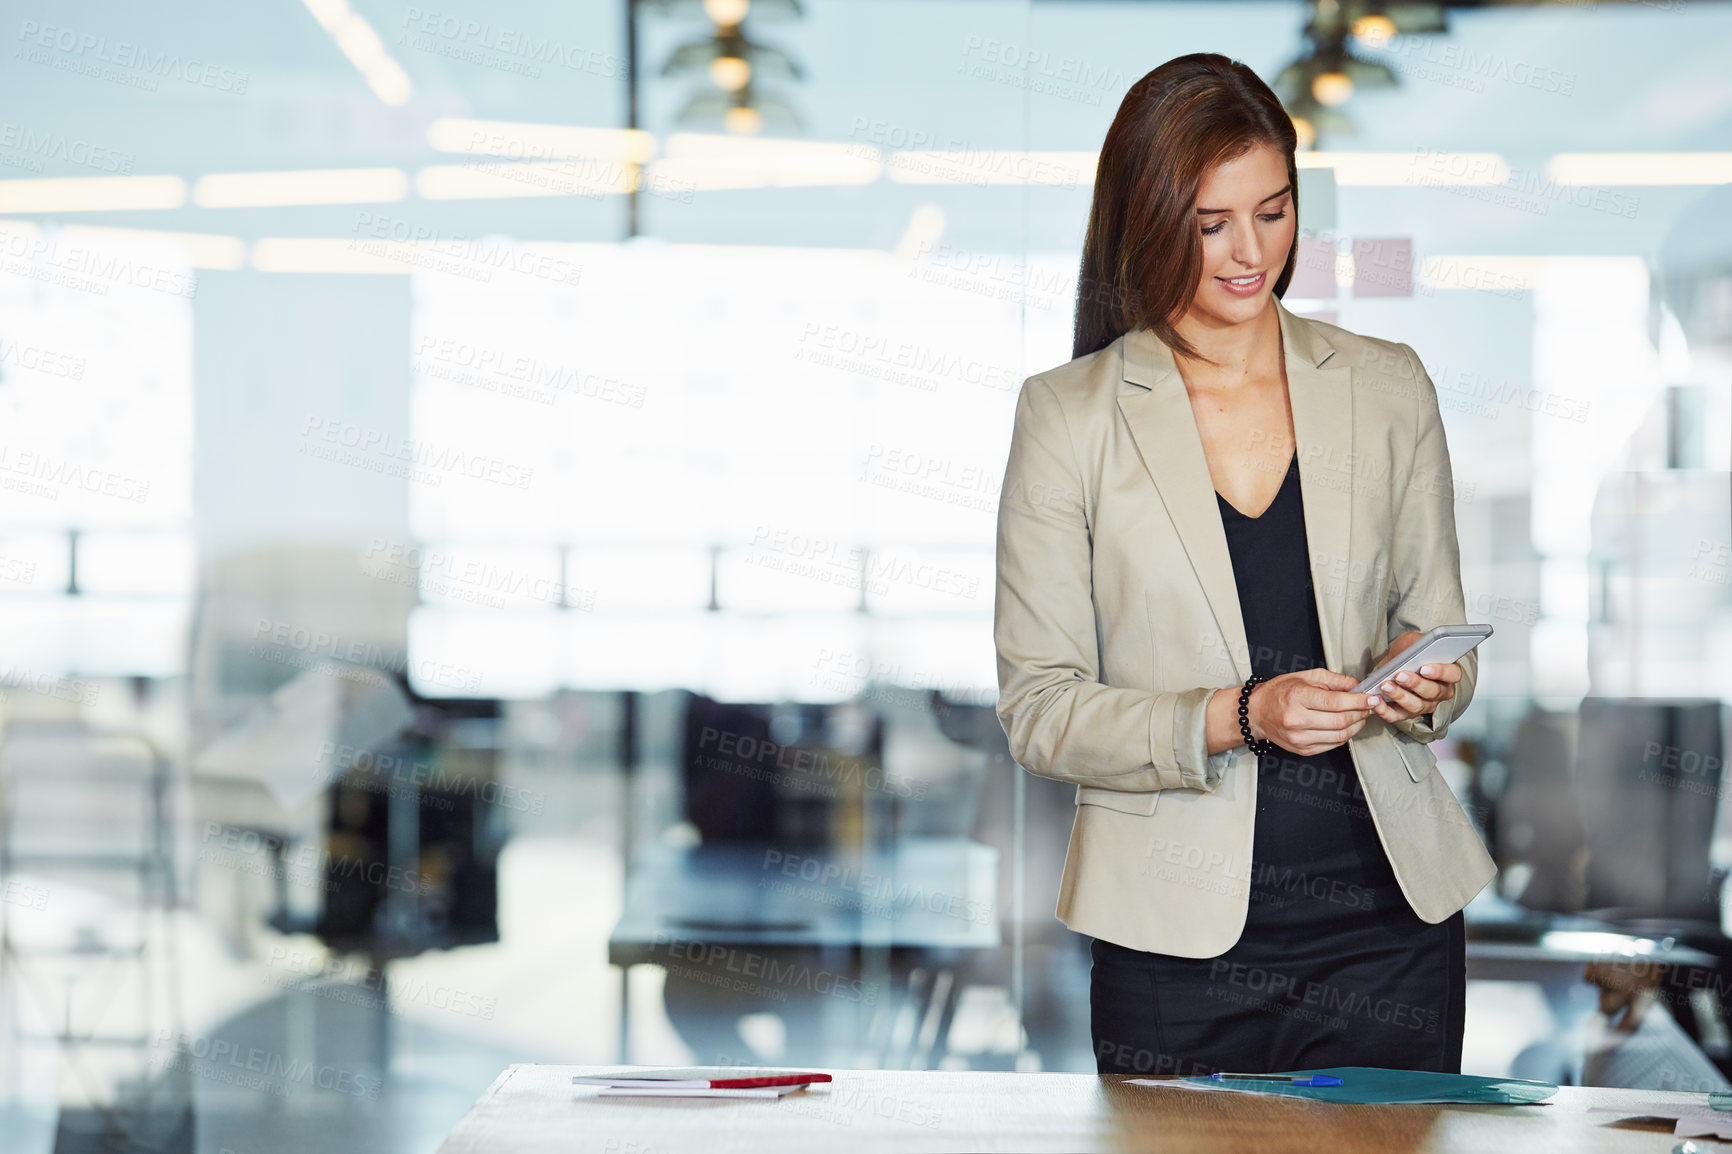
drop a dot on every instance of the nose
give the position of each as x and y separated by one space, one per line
1247 251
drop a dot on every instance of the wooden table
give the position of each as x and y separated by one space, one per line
536 1110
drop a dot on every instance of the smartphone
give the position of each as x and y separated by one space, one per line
1444 644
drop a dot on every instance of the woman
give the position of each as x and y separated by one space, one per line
1213 522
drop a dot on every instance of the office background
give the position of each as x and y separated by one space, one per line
496 540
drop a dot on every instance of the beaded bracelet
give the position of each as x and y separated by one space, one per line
1258 746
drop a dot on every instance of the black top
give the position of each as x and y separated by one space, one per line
1316 854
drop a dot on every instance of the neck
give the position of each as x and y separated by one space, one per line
1233 352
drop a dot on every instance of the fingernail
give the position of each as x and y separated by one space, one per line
1374 700
1426 670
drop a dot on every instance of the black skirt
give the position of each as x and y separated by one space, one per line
1333 967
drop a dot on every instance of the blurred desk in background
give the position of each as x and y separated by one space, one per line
755 917
1508 943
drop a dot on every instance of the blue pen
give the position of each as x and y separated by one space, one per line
1295 1079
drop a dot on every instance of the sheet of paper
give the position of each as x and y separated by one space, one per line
695 1091
1706 1124
1691 1121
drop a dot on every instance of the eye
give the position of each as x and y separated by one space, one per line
1271 217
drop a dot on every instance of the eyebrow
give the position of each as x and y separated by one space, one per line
1286 188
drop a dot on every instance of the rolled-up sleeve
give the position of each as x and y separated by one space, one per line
1190 741
1425 554
1062 723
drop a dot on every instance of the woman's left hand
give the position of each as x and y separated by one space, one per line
1412 694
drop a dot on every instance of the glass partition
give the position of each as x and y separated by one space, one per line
498 515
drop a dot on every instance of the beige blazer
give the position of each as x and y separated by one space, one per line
1116 615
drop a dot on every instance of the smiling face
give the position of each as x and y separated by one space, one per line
1246 218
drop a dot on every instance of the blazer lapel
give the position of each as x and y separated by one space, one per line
1158 412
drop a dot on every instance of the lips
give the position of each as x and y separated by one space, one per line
1250 288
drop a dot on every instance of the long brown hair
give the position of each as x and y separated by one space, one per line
1143 255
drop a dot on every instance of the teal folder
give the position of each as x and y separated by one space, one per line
1372 1085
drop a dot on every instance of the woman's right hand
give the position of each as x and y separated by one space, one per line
1308 711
